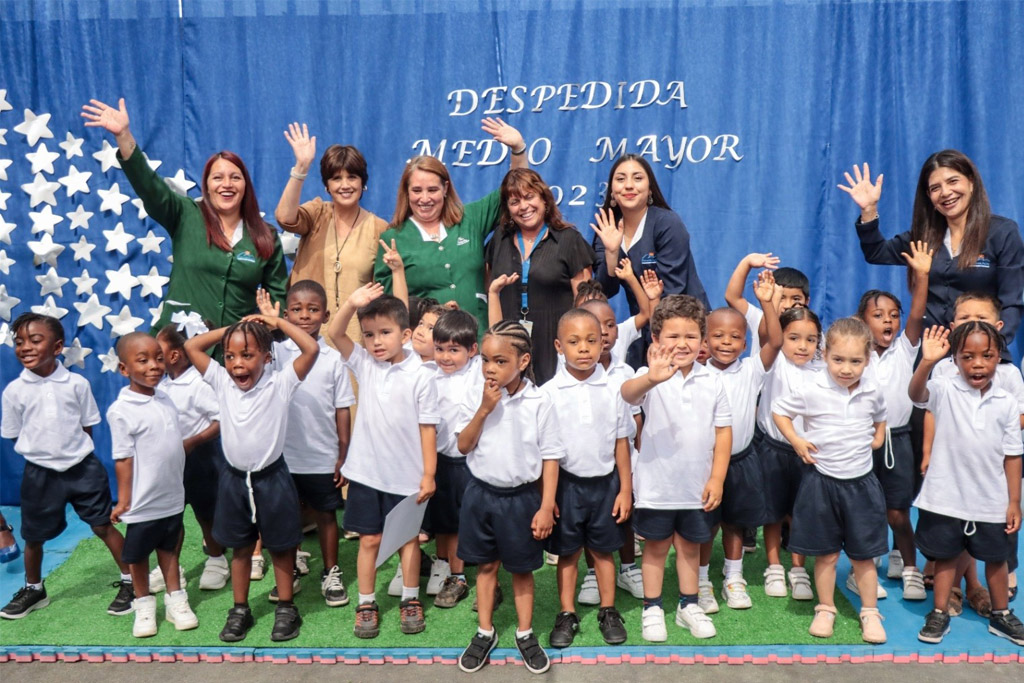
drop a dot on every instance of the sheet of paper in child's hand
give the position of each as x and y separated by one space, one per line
401 525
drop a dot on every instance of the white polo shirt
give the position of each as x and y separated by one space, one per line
754 316
627 335
517 437
452 390
891 372
782 379
46 414
617 373
1007 377
311 440
386 452
839 422
592 415
743 380
145 428
973 436
253 423
678 445
197 404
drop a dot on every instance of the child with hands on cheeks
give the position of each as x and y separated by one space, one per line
681 468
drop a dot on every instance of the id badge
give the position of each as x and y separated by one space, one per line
528 324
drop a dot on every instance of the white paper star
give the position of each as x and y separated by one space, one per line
123 323
45 250
72 146
107 156
4 104
5 263
112 199
79 218
40 190
34 127
289 243
109 360
91 312
155 314
5 230
151 242
121 281
76 181
7 302
3 136
153 163
6 336
51 283
45 220
42 159
4 164
75 354
179 183
84 283
153 283
83 249
118 239
50 308
4 196
137 203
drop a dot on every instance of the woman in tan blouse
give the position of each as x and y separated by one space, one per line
339 238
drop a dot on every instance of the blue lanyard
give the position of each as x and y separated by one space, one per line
525 277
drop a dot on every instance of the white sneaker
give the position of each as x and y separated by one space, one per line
302 562
653 620
145 617
157 583
216 573
913 584
882 594
395 587
895 568
694 618
631 580
775 581
439 571
332 588
706 598
550 559
734 592
800 584
588 591
178 612
637 548
259 566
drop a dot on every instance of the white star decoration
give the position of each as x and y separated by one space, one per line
118 239
137 203
51 283
7 302
42 159
5 230
45 250
40 190
75 354
6 336
109 360
153 163
3 136
79 218
83 249
91 312
121 281
4 104
45 220
84 283
123 323
107 156
34 127
72 146
153 283
4 163
4 196
179 183
5 263
155 314
112 199
50 308
151 242
76 181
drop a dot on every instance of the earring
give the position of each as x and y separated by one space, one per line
613 203
650 200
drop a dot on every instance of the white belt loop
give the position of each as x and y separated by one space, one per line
972 526
890 457
252 495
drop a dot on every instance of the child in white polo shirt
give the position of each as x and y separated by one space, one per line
256 497
684 456
393 453
51 413
149 459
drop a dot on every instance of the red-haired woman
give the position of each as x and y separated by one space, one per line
222 249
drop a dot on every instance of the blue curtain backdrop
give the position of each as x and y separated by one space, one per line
748 111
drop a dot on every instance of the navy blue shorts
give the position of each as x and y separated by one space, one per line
202 477
896 472
939 537
142 538
743 492
318 491
367 507
444 507
585 515
695 526
495 526
839 514
782 470
45 494
278 520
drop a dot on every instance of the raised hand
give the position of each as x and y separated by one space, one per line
392 259
365 294
502 281
934 343
608 230
764 286
659 362
919 258
860 188
100 115
504 133
302 144
264 304
624 271
757 260
267 320
652 286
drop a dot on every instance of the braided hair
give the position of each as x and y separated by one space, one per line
589 290
516 335
260 333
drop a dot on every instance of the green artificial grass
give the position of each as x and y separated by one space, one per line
80 591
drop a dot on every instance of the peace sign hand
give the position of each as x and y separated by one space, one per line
392 259
607 229
302 144
100 115
865 193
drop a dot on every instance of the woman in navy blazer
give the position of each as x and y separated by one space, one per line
635 214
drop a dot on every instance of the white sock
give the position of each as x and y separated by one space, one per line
523 634
410 593
702 573
367 598
733 567
36 586
626 567
591 572
489 633
127 578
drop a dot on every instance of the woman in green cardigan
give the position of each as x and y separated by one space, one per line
440 239
223 251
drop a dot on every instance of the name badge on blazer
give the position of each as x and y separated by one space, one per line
982 262
246 257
